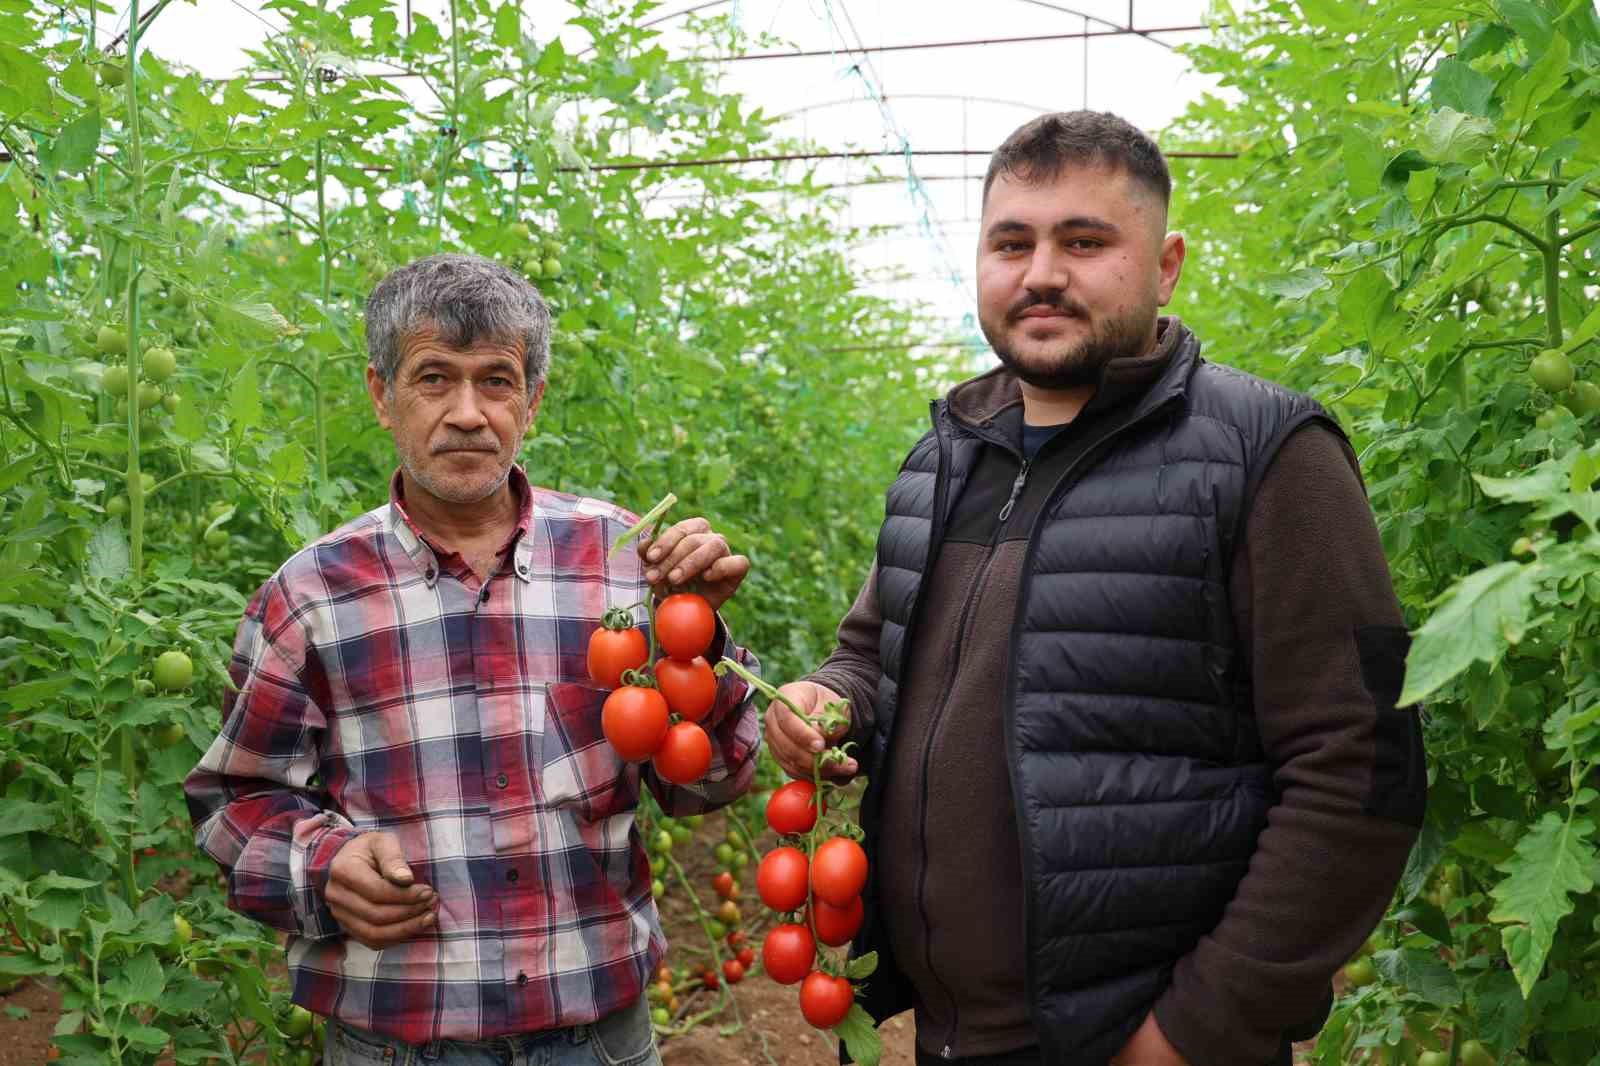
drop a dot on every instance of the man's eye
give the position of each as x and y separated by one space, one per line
431 379
1084 243
1011 246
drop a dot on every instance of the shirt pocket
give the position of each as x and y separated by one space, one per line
580 771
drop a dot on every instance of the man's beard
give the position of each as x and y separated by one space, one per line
445 488
1081 363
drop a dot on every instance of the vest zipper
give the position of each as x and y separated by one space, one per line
1016 490
1030 979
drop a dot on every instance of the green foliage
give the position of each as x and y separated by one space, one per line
709 340
1422 190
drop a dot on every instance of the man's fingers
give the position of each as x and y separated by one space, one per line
389 860
661 548
692 556
342 900
729 568
378 937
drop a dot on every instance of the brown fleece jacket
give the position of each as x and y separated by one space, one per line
1309 573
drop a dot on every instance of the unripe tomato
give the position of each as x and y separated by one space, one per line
110 340
170 402
1434 1058
1473 1053
1585 399
793 808
299 1021
837 926
114 381
1552 370
117 506
781 879
716 929
1551 417
690 687
728 913
182 931
520 230
611 651
634 720
825 999
173 670
684 754
111 76
657 888
149 395
788 952
839 871
1360 973
685 625
160 364
661 1016
551 268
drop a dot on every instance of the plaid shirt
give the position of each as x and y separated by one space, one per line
458 715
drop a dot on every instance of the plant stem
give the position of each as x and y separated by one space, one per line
1552 274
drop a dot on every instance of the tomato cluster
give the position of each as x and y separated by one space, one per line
638 716
825 890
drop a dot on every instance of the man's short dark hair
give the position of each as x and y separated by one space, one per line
1040 150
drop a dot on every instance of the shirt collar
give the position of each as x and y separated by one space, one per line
425 555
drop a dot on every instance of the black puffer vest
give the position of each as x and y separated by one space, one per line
1138 779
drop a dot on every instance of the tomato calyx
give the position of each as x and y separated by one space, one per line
617 619
640 678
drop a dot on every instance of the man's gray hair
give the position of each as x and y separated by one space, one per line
466 298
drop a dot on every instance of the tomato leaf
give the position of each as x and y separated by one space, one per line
108 554
1422 973
1480 616
1428 919
862 967
1552 863
860 1036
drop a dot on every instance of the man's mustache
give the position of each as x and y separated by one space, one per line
1057 302
466 444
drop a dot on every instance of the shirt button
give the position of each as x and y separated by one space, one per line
512 875
502 780
429 574
483 597
522 979
522 568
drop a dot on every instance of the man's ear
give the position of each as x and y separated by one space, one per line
533 407
1173 251
379 392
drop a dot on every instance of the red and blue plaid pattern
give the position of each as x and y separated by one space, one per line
382 686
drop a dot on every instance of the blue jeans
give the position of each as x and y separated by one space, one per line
621 1039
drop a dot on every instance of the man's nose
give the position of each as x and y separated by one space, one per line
466 409
1048 270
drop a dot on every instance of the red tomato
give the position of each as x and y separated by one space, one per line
690 687
781 879
611 651
685 754
736 939
685 625
747 958
837 926
838 871
733 970
724 885
825 999
634 720
709 979
788 953
793 808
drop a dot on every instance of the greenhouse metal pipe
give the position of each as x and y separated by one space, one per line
1082 35
915 96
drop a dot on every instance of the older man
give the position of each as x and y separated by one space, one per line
411 778
1124 674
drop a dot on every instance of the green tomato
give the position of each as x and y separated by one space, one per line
1434 1058
111 341
520 231
661 1016
117 506
147 483
160 364
169 403
1585 399
1360 973
173 670
682 834
182 931
662 842
218 509
144 686
657 889
299 1021
1552 370
149 395
741 859
170 735
216 538
551 268
1551 417
717 929
114 381
112 75
723 853
658 865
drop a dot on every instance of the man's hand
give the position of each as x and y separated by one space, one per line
370 892
1149 1047
793 742
691 550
